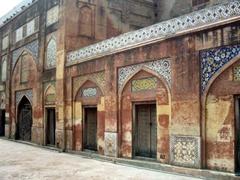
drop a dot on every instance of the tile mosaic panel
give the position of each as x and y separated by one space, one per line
51 54
99 78
160 30
19 95
236 73
31 47
19 34
31 27
161 67
5 43
213 60
144 84
52 15
4 69
89 92
2 100
110 144
185 151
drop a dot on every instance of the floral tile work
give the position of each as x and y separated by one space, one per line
213 60
144 84
236 74
89 92
185 151
161 67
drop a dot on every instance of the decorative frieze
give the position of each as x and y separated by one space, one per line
89 92
169 28
185 151
160 67
19 95
31 47
212 60
110 144
144 84
236 73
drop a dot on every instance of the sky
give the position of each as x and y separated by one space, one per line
7 5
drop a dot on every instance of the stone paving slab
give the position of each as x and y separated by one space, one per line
23 162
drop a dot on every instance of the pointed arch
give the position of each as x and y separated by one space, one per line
21 98
24 51
51 53
204 105
82 85
50 94
146 69
217 74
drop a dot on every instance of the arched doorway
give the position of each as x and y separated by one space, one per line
145 114
89 117
24 121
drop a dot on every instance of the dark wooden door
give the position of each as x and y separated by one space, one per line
24 120
146 131
90 130
2 122
51 126
237 154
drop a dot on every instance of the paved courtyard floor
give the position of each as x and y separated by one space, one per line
23 162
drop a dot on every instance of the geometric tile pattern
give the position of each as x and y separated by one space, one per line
110 139
185 151
19 95
51 54
32 47
89 92
98 78
160 67
213 60
160 30
236 74
144 84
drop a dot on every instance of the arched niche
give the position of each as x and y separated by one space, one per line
218 123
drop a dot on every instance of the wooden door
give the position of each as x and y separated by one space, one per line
237 149
90 130
24 120
146 131
2 122
51 126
